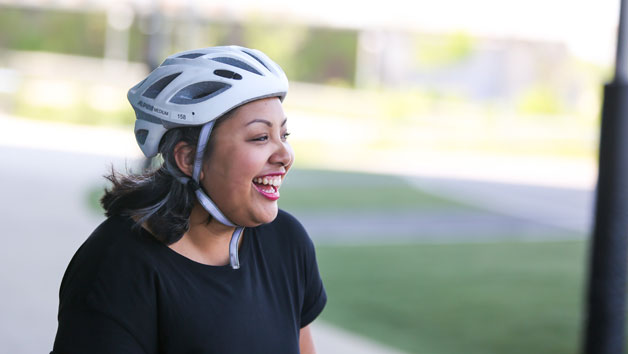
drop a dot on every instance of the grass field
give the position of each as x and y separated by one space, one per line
459 298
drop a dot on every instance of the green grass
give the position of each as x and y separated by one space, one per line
314 190
93 196
77 114
459 298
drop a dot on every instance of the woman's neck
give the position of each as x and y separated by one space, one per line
204 242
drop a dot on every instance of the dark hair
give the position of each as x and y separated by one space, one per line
157 197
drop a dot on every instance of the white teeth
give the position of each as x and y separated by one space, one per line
272 181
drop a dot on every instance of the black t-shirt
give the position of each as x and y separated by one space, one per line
126 292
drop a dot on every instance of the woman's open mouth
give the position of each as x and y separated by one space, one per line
268 185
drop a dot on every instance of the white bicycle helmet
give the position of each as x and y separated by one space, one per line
194 88
197 86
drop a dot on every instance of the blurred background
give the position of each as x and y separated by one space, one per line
446 155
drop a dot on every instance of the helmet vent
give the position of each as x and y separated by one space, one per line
237 63
199 92
190 56
156 88
228 74
141 136
256 58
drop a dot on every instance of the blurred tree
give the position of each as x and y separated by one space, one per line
319 55
442 50
327 56
539 99
81 33
280 42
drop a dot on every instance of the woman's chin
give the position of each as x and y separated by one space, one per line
269 214
264 216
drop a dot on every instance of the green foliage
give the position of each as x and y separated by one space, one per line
404 104
80 113
327 56
318 55
217 33
443 50
35 29
458 298
539 99
137 43
279 42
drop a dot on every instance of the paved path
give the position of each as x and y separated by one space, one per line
426 227
44 220
567 208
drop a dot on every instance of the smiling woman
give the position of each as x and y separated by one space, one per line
256 138
196 257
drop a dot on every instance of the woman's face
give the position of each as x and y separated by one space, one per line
248 161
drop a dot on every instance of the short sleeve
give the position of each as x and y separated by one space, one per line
108 298
95 333
115 314
315 296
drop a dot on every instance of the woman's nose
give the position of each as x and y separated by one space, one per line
284 154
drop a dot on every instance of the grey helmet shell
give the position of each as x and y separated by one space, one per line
198 86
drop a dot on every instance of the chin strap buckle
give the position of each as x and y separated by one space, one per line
233 247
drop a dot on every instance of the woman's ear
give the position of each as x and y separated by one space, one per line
184 156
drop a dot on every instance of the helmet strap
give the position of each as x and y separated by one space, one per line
203 138
206 201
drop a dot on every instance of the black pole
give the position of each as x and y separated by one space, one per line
606 308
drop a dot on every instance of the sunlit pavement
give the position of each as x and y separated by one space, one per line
44 221
48 170
333 340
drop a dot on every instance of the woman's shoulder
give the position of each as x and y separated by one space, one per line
286 223
285 219
110 285
287 231
116 238
114 248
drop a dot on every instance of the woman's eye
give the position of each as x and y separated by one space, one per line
285 135
261 138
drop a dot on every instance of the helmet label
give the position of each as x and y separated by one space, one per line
152 108
179 115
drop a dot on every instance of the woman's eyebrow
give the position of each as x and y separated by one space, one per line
264 121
